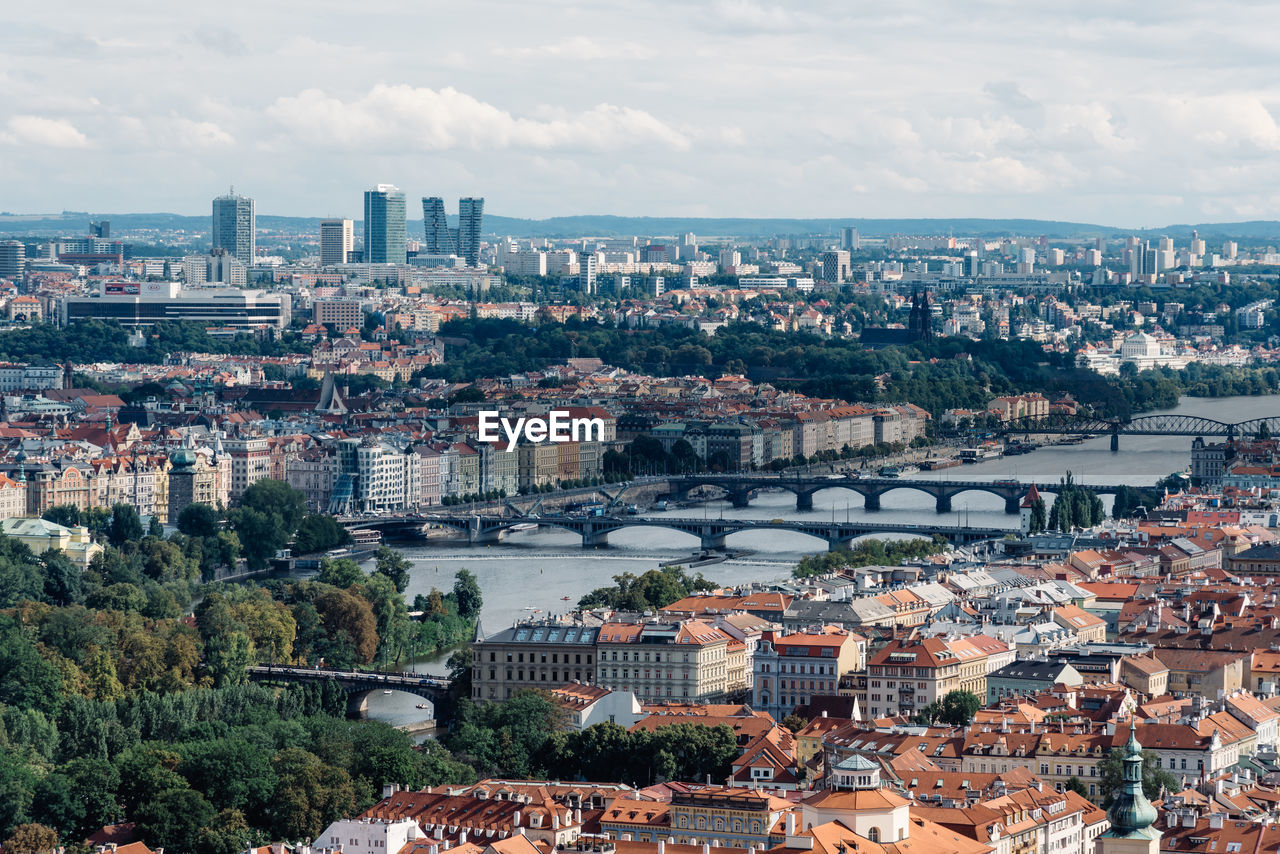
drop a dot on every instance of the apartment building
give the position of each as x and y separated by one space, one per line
532 655
907 675
250 462
788 670
690 660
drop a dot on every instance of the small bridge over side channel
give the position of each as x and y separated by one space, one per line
358 684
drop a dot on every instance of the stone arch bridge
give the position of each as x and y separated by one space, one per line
358 685
739 488
711 533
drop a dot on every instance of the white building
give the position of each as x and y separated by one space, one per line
337 240
369 835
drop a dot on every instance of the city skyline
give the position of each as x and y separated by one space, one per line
953 111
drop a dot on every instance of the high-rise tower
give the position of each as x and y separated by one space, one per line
435 224
470 219
233 226
384 234
337 240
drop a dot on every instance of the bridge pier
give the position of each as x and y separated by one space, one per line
943 504
804 500
358 704
594 539
740 498
1012 504
712 542
871 501
1115 441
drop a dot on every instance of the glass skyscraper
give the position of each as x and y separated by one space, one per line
233 226
439 240
470 218
463 241
384 230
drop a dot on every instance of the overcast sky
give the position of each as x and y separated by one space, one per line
1123 113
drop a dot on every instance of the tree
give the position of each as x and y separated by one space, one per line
67 515
174 819
317 533
959 707
348 617
126 525
794 722
261 535
27 680
199 520
277 498
1076 785
309 795
395 566
1111 772
155 528
32 839
63 582
341 572
466 590
1038 519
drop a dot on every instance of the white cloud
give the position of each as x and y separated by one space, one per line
41 131
407 118
195 134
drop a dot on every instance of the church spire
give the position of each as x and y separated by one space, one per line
1132 814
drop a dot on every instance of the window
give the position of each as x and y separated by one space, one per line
874 834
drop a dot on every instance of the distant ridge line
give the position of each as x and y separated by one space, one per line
608 225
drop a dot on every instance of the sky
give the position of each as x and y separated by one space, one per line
1122 113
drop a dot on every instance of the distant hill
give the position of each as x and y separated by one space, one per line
71 223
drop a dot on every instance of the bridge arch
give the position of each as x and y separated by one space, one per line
358 685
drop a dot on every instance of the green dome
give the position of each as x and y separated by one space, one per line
183 458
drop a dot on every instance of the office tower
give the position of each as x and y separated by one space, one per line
384 235
835 266
1230 249
436 225
972 266
470 219
337 239
13 259
850 240
100 229
1166 244
233 226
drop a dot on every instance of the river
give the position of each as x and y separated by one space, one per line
531 573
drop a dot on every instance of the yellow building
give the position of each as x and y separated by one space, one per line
41 536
